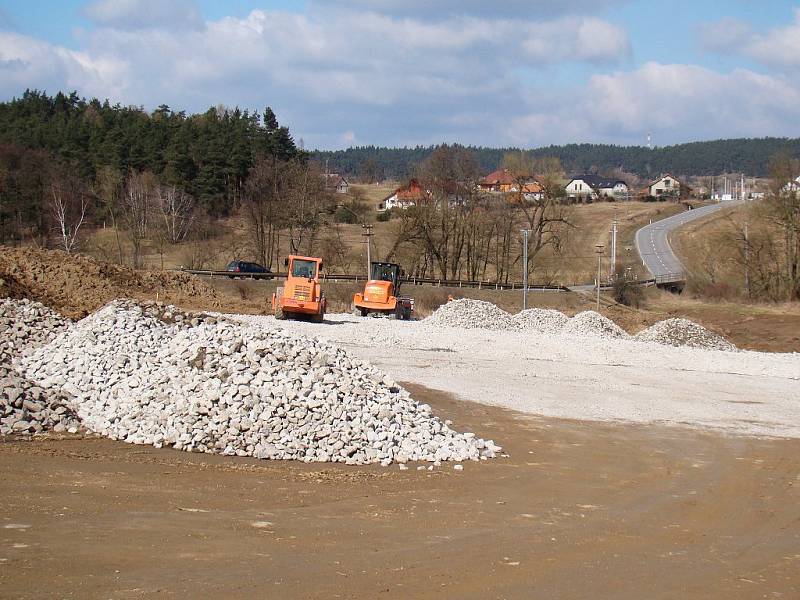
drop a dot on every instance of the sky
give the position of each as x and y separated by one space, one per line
341 73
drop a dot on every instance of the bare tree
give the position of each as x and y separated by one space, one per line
783 210
68 206
177 213
263 209
307 200
540 202
136 206
109 190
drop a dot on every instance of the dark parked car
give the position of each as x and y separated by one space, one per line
241 266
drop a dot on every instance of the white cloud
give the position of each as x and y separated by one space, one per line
144 14
675 102
426 9
29 63
394 80
778 47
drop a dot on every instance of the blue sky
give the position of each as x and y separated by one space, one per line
405 72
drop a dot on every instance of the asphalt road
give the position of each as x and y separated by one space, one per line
652 241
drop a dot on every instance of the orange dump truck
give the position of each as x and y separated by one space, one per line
301 297
381 293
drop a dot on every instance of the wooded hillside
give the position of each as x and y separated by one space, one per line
749 156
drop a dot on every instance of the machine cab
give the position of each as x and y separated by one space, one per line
304 267
386 272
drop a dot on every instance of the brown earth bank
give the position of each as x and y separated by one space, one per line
76 285
577 510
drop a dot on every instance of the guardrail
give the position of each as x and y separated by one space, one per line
334 277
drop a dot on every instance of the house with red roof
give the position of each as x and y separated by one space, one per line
403 197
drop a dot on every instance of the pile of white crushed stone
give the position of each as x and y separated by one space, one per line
594 324
682 332
466 313
476 314
25 324
542 320
150 374
25 408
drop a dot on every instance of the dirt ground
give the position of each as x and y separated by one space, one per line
577 510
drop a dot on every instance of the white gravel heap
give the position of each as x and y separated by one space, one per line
682 332
467 313
541 320
152 375
25 324
594 324
26 408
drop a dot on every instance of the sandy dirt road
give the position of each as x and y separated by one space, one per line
578 510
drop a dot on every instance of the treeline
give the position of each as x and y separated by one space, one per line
750 156
205 155
70 165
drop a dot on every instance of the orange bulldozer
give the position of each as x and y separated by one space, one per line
381 293
301 296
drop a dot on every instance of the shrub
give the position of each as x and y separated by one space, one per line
628 292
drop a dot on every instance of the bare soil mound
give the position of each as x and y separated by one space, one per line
76 285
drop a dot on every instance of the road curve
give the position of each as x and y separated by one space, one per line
652 241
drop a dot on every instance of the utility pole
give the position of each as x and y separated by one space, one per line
599 250
614 248
525 233
368 236
746 260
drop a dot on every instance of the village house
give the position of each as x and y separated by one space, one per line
595 186
502 181
404 197
336 183
665 186
793 186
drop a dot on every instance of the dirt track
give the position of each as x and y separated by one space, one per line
579 510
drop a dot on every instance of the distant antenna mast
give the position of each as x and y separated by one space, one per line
650 141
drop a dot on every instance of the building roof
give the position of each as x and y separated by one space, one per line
334 179
505 177
596 181
411 192
498 177
664 176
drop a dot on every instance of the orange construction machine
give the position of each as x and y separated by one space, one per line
300 297
381 293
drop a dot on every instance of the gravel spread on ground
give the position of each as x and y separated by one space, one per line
682 332
578 377
151 374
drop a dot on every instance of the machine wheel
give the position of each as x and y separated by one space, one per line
364 312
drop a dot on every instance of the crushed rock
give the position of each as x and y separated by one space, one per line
26 408
594 324
149 374
542 320
683 332
26 324
467 313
